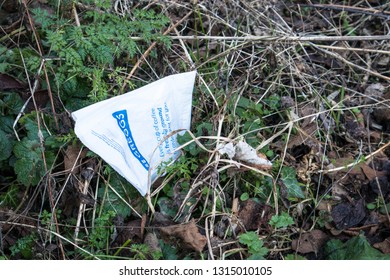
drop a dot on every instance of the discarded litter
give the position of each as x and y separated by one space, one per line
136 131
245 153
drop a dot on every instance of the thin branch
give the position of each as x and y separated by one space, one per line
364 50
277 38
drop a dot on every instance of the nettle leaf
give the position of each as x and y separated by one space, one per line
289 178
29 166
26 172
28 149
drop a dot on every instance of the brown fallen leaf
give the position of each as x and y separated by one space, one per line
72 154
309 242
152 241
383 246
9 82
130 231
188 233
370 173
250 214
346 214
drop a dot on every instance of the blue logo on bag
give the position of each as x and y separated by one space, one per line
123 123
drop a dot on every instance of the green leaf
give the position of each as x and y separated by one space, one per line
167 206
5 146
357 248
371 206
248 238
115 200
281 221
244 196
259 256
293 257
169 252
255 245
289 178
192 148
12 103
29 165
3 67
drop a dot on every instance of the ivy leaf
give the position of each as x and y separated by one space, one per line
289 179
357 248
167 206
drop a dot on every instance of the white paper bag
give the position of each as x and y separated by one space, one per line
125 130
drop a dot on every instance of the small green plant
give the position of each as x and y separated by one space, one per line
143 252
256 248
99 238
24 246
32 159
281 221
115 193
88 55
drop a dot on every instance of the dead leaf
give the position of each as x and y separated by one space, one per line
130 231
370 173
162 220
250 214
188 233
72 154
381 112
10 6
253 215
382 183
152 241
309 242
287 102
355 129
9 82
383 246
373 92
346 215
